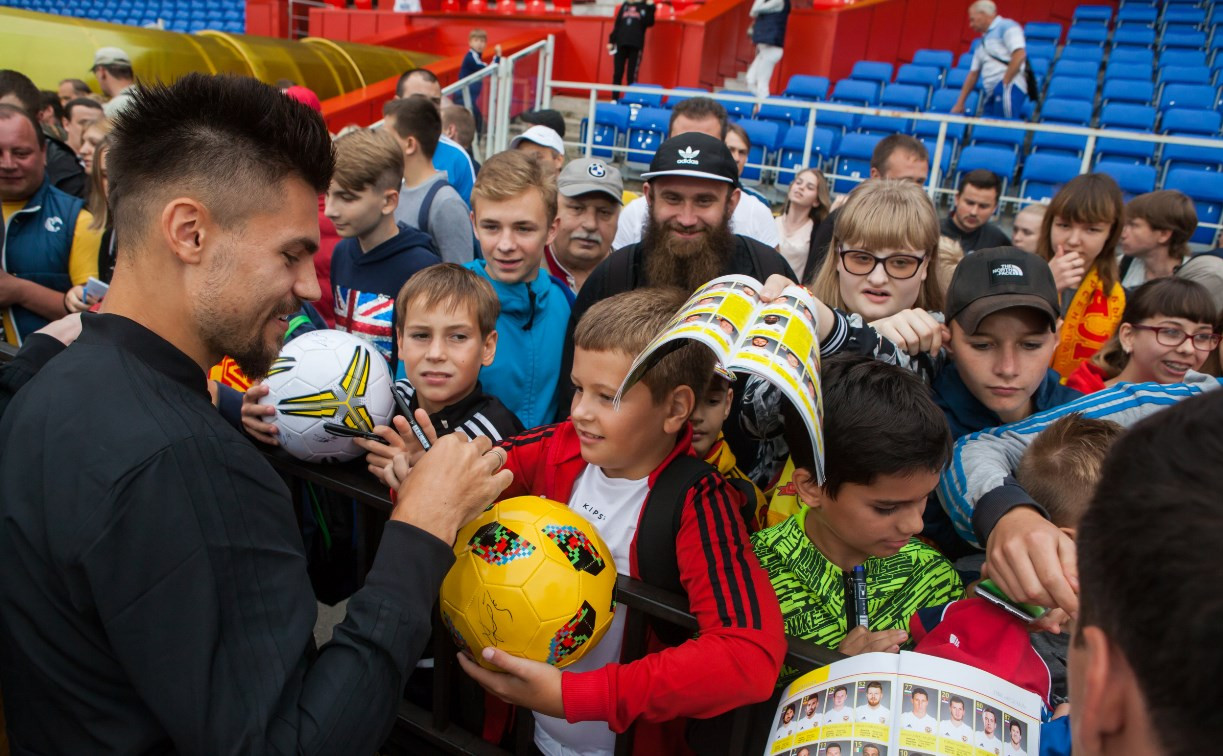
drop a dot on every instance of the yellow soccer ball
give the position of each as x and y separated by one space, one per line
532 578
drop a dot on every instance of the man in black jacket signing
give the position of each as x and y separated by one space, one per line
155 596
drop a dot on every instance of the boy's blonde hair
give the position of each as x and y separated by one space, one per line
477 34
507 175
453 288
884 214
627 322
1061 467
367 158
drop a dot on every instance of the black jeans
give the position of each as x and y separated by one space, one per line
630 55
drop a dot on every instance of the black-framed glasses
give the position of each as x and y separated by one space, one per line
1174 337
863 263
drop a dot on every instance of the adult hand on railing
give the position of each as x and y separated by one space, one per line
451 484
532 684
863 641
1068 269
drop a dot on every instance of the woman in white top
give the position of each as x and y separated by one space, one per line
806 207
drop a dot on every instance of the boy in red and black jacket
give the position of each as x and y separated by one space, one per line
603 462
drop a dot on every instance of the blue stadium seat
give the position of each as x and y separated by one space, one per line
685 93
855 92
1087 34
1206 191
805 87
1123 90
1183 75
1083 68
1176 156
1132 55
1135 14
1133 179
998 137
1037 30
896 97
1095 14
1180 58
948 154
1188 40
1072 87
997 159
853 160
1187 96
1066 113
645 133
765 137
1134 36
611 126
736 108
943 60
1040 69
823 144
1130 71
788 112
964 61
926 77
644 99
873 71
1080 51
955 78
1038 50
1044 174
1126 117
1190 121
942 102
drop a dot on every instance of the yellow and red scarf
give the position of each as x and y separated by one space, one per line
1090 321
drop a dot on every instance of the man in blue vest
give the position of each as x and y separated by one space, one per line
47 246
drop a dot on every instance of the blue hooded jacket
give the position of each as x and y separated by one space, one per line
966 414
530 336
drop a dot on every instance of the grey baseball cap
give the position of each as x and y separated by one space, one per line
110 56
586 175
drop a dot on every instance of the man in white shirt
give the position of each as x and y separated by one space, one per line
988 740
873 711
955 727
839 713
919 720
750 217
998 62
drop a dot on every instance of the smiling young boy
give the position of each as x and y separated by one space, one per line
604 462
376 255
514 213
885 444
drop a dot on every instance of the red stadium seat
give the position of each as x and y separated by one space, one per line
664 11
450 6
363 4
536 7
507 7
476 6
337 3
562 6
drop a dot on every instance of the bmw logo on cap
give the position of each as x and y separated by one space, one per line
598 170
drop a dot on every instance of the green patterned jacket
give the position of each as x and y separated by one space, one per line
811 589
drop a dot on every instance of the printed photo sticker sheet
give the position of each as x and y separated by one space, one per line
904 705
777 341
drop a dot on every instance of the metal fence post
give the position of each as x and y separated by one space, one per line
590 123
939 146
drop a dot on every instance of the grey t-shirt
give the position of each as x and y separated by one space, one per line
449 221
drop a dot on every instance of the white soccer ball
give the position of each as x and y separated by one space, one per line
328 377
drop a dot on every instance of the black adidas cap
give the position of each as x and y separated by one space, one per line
999 278
696 155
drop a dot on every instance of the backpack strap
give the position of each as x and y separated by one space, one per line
659 527
620 274
426 204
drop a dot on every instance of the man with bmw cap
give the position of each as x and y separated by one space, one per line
590 194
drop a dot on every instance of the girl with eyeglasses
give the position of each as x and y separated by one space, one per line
1169 328
884 253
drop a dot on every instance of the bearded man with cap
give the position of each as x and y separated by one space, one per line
113 69
590 194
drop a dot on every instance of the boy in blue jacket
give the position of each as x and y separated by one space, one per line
376 255
513 208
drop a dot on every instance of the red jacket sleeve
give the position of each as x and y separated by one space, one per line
526 455
736 658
